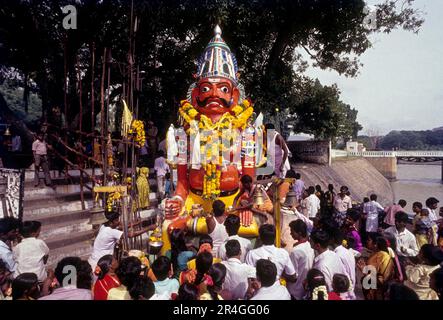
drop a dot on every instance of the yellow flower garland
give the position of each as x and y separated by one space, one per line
138 128
111 198
242 112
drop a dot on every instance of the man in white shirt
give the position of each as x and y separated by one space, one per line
232 225
342 203
161 167
8 233
266 287
346 257
431 206
31 253
280 257
40 152
237 273
216 228
405 240
370 210
302 257
327 261
312 203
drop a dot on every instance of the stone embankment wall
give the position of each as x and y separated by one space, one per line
361 177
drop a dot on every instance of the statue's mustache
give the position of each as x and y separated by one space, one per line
203 103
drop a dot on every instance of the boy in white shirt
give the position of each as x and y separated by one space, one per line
266 287
31 254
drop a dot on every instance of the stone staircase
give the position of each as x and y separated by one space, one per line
65 224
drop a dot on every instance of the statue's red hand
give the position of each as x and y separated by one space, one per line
246 217
173 208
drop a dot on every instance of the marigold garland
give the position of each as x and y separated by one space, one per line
214 153
111 199
138 128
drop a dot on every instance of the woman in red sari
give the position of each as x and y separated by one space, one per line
105 271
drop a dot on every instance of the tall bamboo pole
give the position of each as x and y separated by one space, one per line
102 126
79 75
92 50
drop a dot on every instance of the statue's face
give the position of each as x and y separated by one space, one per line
215 96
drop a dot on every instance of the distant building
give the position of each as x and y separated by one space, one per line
354 146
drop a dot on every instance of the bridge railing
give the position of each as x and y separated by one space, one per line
387 154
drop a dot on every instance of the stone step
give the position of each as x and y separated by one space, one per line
81 249
54 208
67 227
32 199
35 192
64 240
60 217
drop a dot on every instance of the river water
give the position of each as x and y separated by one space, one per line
417 182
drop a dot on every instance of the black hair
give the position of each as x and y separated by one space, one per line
22 283
353 214
82 268
337 236
203 263
160 153
373 197
330 187
340 283
233 248
267 234
205 239
438 278
290 174
382 244
269 126
266 272
8 224
178 245
318 188
373 236
187 291
299 226
218 207
366 199
29 227
311 190
297 176
167 176
431 201
418 205
402 203
143 287
246 179
105 264
429 253
352 243
112 215
232 224
128 272
401 217
320 237
218 273
315 278
344 189
401 292
161 267
3 266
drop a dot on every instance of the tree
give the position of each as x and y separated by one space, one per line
266 37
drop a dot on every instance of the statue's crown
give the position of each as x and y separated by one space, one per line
217 59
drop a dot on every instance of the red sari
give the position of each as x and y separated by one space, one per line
102 287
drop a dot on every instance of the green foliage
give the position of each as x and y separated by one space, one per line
413 140
266 37
13 96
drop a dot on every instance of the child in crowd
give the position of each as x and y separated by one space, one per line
315 285
107 279
25 287
5 282
425 229
181 250
341 288
187 291
31 254
162 269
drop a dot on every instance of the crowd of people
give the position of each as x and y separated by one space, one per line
340 251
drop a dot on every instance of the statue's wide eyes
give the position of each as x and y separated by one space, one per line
224 89
205 89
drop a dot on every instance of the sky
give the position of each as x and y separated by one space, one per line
400 86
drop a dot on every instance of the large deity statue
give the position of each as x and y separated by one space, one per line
216 122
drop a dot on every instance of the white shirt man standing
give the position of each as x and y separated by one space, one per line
161 167
327 261
266 286
431 206
280 257
302 257
237 273
405 240
232 225
371 209
312 203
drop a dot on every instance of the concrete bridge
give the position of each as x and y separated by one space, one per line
386 161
